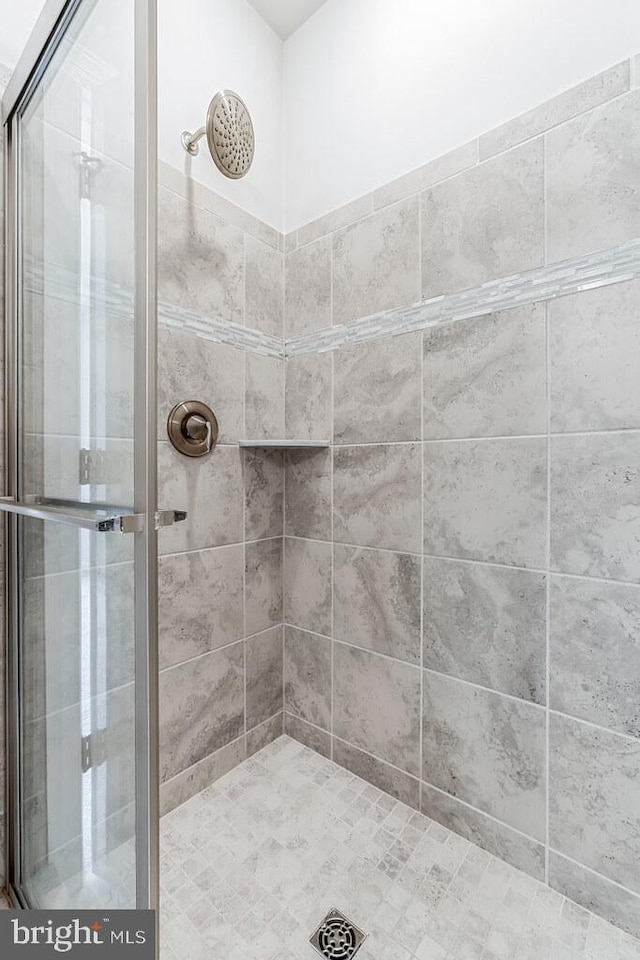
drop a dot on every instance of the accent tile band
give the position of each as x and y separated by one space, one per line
565 277
614 265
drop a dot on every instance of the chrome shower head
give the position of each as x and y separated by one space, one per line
229 133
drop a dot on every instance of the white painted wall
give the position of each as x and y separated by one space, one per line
374 88
205 46
371 88
16 23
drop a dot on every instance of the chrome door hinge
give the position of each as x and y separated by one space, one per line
92 750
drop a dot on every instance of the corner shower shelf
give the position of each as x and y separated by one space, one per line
287 444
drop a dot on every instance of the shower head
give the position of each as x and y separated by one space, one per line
229 133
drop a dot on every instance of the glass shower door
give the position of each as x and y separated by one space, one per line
82 464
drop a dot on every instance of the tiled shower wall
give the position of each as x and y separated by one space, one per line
220 573
462 583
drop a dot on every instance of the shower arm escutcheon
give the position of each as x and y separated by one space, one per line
190 141
192 428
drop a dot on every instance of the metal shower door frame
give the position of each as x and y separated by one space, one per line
47 34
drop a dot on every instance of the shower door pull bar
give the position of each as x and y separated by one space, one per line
162 518
98 522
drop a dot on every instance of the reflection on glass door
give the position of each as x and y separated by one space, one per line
76 544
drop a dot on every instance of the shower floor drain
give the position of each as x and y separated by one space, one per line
337 937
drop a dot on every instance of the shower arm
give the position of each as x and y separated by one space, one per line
190 140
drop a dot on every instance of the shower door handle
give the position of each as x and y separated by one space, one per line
87 517
166 518
99 521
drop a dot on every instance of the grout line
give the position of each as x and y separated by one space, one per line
482 563
181 773
262 723
232 643
553 126
483 813
469 683
420 781
221 546
488 439
244 533
601 876
331 465
422 523
547 602
547 757
285 461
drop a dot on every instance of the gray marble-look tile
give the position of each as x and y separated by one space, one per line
307 584
308 494
395 782
376 262
377 391
594 892
594 799
595 652
377 601
303 732
195 191
264 287
264 734
594 351
264 660
264 397
263 584
377 493
199 602
487 625
341 217
376 706
210 489
593 199
485 749
200 775
595 490
290 241
200 259
191 368
486 376
448 165
487 833
487 222
307 296
263 493
486 500
307 676
201 707
308 397
591 93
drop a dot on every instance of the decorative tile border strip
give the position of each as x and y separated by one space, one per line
613 265
222 331
560 279
62 284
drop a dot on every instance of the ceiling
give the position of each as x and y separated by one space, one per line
285 16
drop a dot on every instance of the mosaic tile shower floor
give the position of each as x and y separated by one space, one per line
251 865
